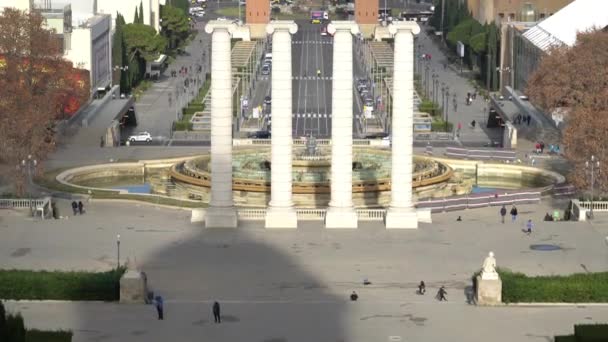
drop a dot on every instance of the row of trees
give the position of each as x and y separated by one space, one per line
136 44
575 80
481 41
36 85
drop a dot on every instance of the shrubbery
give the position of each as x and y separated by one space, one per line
575 288
12 329
586 333
20 284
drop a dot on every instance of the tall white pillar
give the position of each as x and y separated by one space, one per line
401 213
221 212
281 213
341 213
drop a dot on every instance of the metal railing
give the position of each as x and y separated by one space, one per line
310 214
472 201
597 205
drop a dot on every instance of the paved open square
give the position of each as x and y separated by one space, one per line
293 285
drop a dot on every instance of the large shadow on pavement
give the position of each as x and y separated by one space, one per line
265 291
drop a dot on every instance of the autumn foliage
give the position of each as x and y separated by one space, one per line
37 87
576 80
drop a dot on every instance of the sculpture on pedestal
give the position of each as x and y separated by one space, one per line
488 269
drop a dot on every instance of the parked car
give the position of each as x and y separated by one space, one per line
266 69
361 86
267 100
369 102
141 136
364 92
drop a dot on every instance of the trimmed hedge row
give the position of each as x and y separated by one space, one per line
41 285
12 329
575 288
586 333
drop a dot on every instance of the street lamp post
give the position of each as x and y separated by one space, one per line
447 100
27 167
427 69
117 251
593 166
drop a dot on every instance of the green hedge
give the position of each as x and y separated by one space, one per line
41 285
586 333
47 336
439 126
575 288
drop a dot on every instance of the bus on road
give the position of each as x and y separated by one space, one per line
318 17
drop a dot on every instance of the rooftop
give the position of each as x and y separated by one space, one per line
562 27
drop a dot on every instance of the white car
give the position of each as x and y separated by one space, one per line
141 136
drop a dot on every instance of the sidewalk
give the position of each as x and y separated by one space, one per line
459 86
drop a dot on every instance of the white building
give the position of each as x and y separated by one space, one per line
89 46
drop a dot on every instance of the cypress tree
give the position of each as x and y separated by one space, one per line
141 12
136 17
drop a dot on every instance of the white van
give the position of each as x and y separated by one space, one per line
268 57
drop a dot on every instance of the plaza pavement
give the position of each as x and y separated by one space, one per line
293 285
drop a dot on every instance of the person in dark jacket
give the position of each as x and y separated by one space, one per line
216 312
354 296
158 303
513 214
75 207
80 207
441 294
421 288
503 213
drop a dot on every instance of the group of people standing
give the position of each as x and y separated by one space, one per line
519 119
513 212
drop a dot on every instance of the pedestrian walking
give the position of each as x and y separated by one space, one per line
441 294
158 303
421 288
529 226
74 207
80 208
216 312
513 214
503 213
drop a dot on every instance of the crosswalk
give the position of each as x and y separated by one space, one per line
324 42
302 78
311 115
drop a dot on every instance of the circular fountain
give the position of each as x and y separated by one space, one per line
311 176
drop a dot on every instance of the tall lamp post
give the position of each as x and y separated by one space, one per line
447 106
427 69
592 166
117 251
28 166
435 88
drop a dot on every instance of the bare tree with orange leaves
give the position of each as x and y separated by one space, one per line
575 79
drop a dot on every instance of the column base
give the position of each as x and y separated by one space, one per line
341 218
401 218
285 218
221 217
489 291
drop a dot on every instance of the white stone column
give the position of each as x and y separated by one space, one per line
221 212
341 213
401 213
280 213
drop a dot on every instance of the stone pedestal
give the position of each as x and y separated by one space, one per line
221 212
341 212
401 218
221 217
280 213
133 288
489 291
341 218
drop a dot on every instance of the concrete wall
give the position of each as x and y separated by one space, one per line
257 11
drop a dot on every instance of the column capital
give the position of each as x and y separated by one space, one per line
342 25
220 25
277 25
404 26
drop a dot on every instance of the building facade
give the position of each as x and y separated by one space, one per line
88 46
366 12
487 11
257 11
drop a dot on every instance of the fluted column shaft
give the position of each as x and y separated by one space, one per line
280 213
403 121
281 176
221 212
221 120
342 121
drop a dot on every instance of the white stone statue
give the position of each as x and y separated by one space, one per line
488 269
